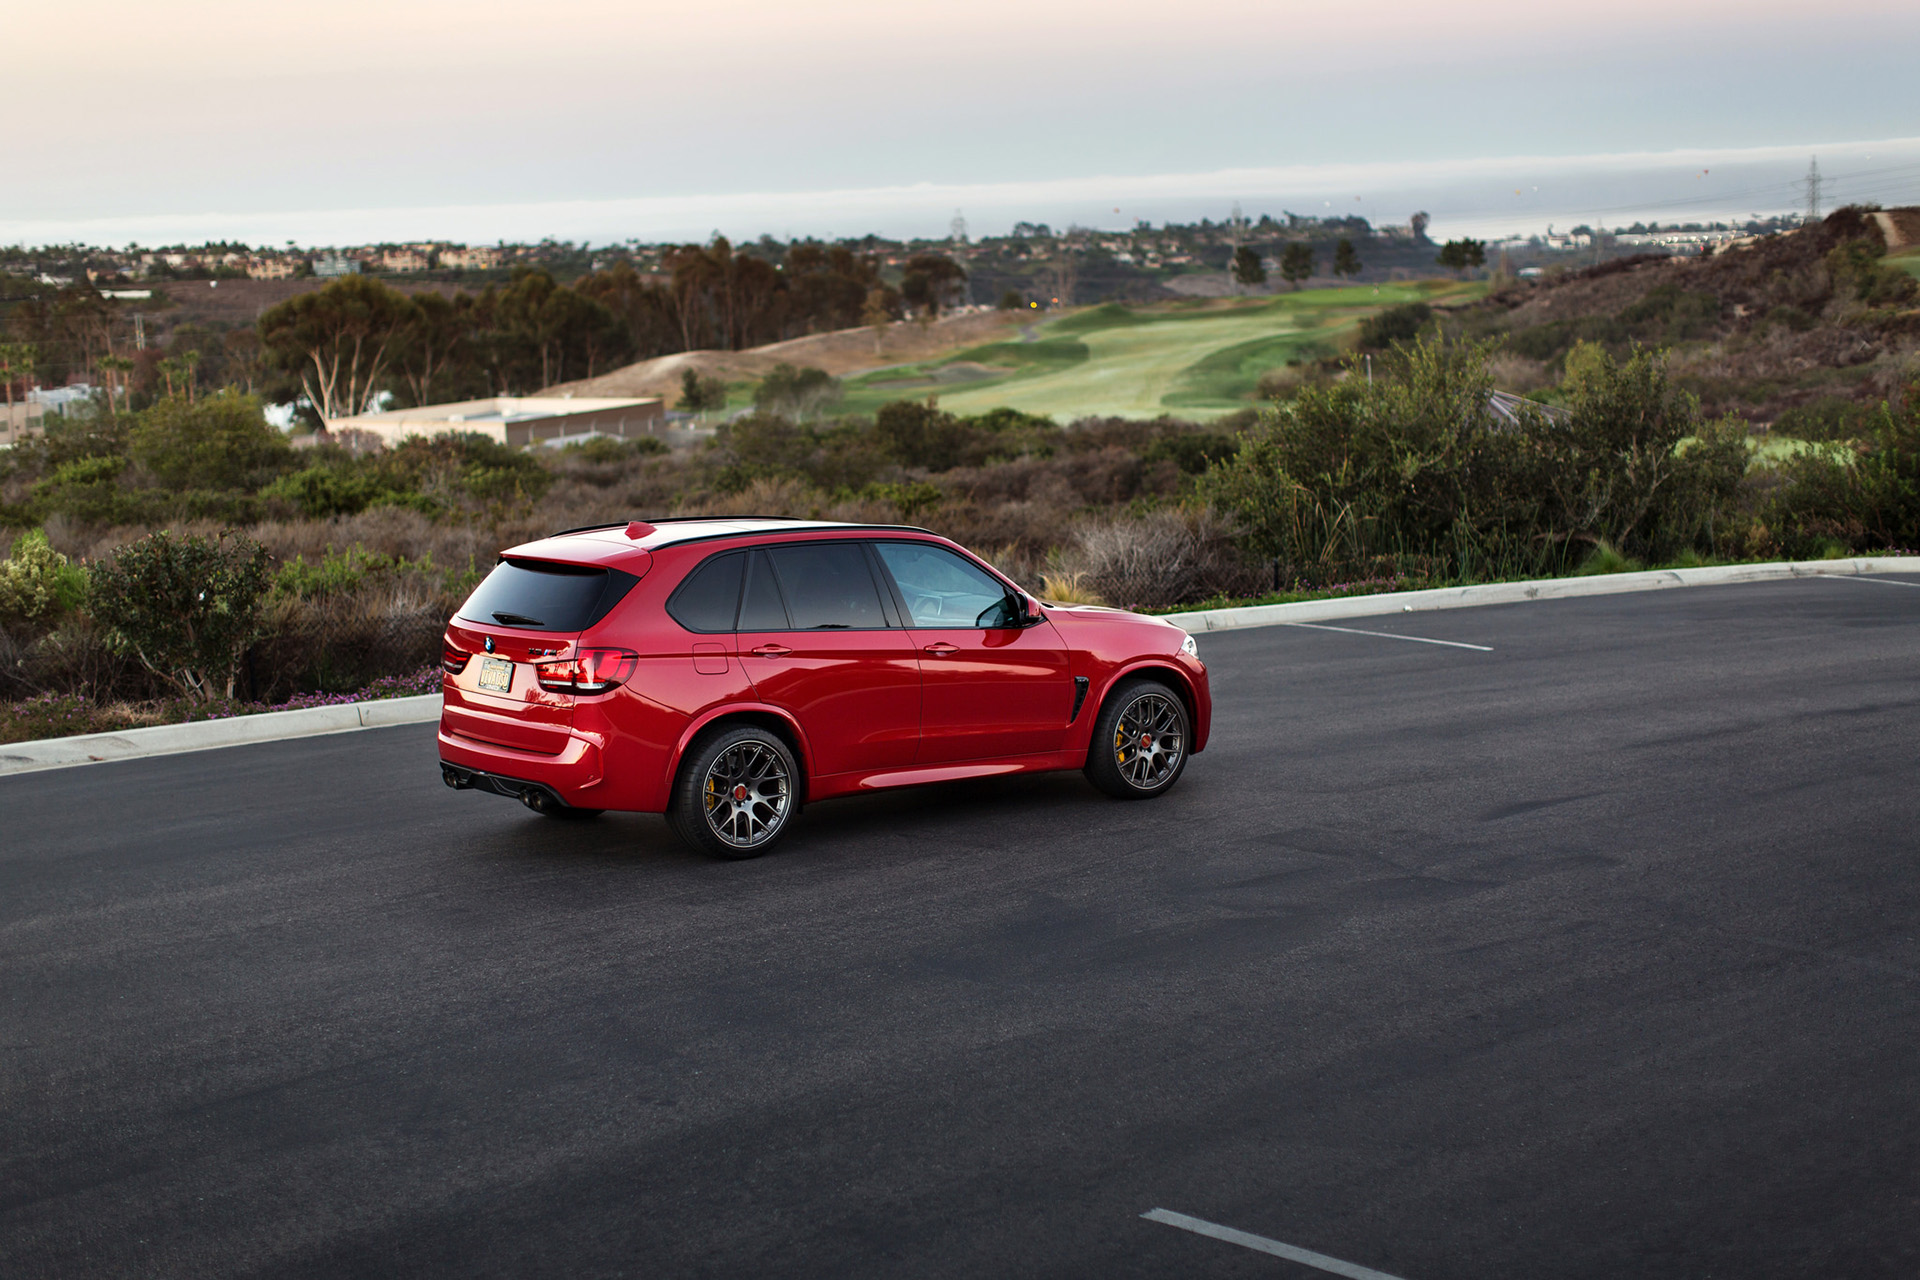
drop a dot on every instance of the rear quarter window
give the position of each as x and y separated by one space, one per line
709 599
541 595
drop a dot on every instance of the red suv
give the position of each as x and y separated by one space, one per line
724 671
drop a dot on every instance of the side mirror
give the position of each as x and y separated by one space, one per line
1015 611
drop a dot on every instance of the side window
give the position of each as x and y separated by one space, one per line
762 609
710 596
828 585
940 588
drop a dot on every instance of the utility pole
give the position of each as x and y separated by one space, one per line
1813 190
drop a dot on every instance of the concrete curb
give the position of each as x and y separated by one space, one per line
167 739
1274 615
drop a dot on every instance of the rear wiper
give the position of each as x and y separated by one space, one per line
832 626
516 620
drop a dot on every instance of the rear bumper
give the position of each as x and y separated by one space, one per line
571 779
537 796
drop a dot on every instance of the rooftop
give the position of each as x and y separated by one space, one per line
498 409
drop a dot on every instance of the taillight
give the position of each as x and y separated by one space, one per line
453 661
588 671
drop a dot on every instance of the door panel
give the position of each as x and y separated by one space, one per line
988 693
985 692
855 689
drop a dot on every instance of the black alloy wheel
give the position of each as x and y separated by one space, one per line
737 792
1139 742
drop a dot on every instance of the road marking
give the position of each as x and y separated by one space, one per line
1388 635
1260 1244
1885 582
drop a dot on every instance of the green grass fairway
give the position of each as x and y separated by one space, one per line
1195 359
1907 260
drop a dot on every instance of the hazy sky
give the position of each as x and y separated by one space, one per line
483 119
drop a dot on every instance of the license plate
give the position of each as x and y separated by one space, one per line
496 674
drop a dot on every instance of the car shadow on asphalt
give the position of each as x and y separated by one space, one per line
910 819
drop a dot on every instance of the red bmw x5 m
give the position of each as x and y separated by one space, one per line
726 671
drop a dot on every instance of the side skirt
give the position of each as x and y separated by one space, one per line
842 784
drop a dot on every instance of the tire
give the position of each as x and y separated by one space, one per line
737 793
1140 741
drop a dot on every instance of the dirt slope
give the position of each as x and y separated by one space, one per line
841 352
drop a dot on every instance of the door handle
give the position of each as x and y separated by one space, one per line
941 649
770 651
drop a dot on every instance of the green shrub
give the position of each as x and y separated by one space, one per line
37 583
1416 464
321 491
1402 323
220 442
340 572
87 489
1865 495
1828 418
608 449
185 607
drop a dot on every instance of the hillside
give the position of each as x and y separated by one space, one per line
1818 316
1194 358
841 352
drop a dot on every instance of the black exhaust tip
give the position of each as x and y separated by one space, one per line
539 801
458 779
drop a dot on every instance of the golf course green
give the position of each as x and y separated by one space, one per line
1197 359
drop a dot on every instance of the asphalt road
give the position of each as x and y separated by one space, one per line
1594 954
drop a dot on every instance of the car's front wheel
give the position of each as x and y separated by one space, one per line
1140 741
737 793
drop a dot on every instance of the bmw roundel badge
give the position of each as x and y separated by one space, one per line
489 644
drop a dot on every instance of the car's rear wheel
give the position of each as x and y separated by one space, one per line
737 793
1140 741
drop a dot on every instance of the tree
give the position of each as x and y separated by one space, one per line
1247 267
17 361
434 339
700 393
931 281
797 391
1461 255
118 368
1418 224
338 341
881 309
185 607
1345 261
1296 263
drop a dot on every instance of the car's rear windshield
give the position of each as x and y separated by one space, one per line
541 595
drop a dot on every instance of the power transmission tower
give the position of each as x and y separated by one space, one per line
1813 190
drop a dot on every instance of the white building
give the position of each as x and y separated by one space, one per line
518 420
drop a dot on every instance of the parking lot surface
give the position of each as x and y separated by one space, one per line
1590 951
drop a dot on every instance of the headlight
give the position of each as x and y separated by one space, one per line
1188 647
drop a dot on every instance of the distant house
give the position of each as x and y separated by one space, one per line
464 259
21 420
403 260
272 268
517 420
335 264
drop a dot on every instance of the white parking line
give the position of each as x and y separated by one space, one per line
1388 635
1260 1244
1885 582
